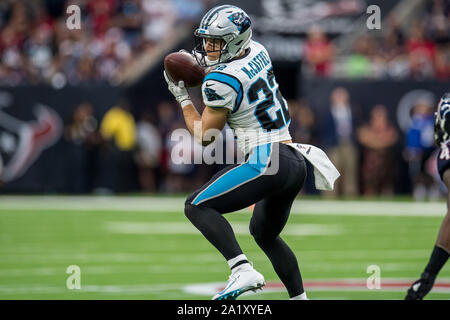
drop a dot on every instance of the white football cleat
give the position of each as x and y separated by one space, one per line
242 279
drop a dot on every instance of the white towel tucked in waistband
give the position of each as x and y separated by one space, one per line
325 173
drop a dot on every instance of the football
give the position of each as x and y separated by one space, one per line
183 66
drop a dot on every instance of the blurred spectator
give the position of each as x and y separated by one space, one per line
359 63
419 147
129 19
148 155
338 129
166 117
303 129
39 52
394 30
377 138
442 67
390 59
83 140
116 51
319 52
100 13
118 128
437 21
159 20
421 51
303 124
181 148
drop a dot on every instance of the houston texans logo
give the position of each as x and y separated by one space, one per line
22 142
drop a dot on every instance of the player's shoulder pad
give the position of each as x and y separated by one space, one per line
218 95
224 85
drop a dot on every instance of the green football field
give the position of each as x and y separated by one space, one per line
145 248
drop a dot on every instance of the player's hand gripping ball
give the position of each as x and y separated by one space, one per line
182 66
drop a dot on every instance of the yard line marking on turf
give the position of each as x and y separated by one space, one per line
239 228
176 204
380 256
399 285
151 268
122 289
208 289
103 270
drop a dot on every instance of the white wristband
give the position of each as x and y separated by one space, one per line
184 103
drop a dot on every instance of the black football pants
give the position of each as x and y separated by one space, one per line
271 177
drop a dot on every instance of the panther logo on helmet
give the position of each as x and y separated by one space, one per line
241 21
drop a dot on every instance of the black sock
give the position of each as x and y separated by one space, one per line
238 264
437 260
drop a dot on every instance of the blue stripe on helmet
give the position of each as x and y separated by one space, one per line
210 14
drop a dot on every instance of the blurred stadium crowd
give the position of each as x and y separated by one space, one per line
36 47
420 52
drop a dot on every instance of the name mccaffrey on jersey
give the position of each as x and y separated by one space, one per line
258 63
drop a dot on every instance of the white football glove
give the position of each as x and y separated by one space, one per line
178 90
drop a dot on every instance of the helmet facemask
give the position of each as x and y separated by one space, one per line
216 45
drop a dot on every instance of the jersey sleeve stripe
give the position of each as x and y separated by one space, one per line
230 81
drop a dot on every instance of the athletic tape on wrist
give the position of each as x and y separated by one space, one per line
185 102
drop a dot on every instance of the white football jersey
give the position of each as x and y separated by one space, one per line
258 113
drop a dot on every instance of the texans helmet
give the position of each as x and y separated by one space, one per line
442 120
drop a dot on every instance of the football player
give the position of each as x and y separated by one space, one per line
441 250
240 89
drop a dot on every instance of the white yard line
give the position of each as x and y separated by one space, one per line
239 228
209 289
122 289
387 284
176 204
28 259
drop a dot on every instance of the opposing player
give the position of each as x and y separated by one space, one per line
241 89
441 250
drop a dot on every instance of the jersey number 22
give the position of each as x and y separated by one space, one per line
261 110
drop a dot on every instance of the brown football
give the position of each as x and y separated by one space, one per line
183 66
